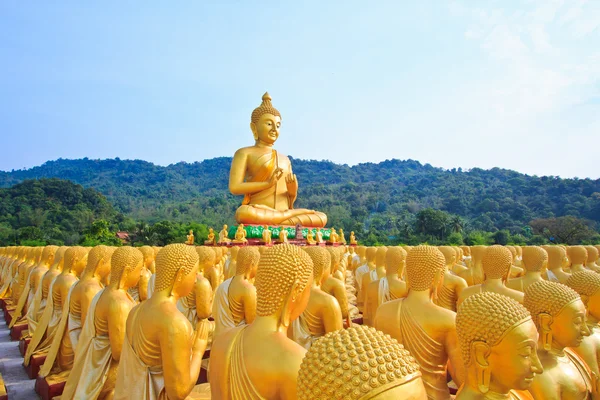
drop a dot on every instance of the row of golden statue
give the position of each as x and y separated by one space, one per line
286 321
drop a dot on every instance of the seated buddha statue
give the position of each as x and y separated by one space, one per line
577 257
265 177
231 263
235 299
453 285
468 259
212 271
197 305
337 287
587 285
341 236
353 240
515 271
592 258
333 237
162 353
283 235
266 236
240 235
141 289
518 261
459 265
20 280
190 238
388 288
31 284
498 340
372 276
50 326
338 270
40 299
559 316
474 274
224 235
392 376
371 255
322 313
557 258
496 267
310 238
210 240
102 339
426 330
534 262
258 361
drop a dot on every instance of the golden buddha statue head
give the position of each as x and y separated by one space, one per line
498 341
321 259
149 256
395 260
519 251
359 363
513 251
371 254
477 253
334 253
48 254
535 259
558 313
449 253
247 261
424 268
176 268
76 259
380 256
577 254
496 262
265 121
283 280
361 251
126 267
587 285
466 250
592 254
556 256
99 261
207 257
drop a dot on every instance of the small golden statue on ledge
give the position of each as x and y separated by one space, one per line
310 238
266 236
283 235
256 173
319 236
211 237
341 236
190 238
333 237
224 236
240 235
353 239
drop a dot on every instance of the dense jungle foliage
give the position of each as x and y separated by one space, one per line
389 202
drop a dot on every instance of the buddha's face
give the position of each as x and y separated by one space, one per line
413 390
266 130
569 327
514 361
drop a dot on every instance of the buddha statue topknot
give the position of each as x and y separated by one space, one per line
498 341
359 363
265 177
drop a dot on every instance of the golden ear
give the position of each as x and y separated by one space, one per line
545 331
253 129
177 278
480 351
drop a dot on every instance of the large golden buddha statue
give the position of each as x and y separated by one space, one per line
265 178
498 341
258 361
559 315
587 285
578 258
359 363
496 262
474 274
426 330
323 313
592 258
336 287
557 259
197 305
453 285
102 339
534 261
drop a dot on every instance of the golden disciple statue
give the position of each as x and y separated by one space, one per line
426 330
190 238
587 285
577 257
498 341
240 235
474 274
197 305
283 235
102 338
162 353
258 361
388 288
266 236
534 261
559 315
496 262
336 287
210 240
557 258
224 235
359 363
453 285
342 236
353 240
265 177
235 299
592 258
323 313
310 238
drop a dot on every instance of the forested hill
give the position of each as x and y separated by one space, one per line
384 197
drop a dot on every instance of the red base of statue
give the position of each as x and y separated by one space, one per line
17 331
48 390
23 345
35 363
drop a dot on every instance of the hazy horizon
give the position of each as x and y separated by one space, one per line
513 85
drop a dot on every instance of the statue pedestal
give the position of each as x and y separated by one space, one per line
35 363
48 388
8 313
23 345
17 330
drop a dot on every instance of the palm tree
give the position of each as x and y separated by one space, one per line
457 224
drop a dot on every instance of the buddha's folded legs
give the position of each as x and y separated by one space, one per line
249 214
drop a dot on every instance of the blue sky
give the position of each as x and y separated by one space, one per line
454 84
